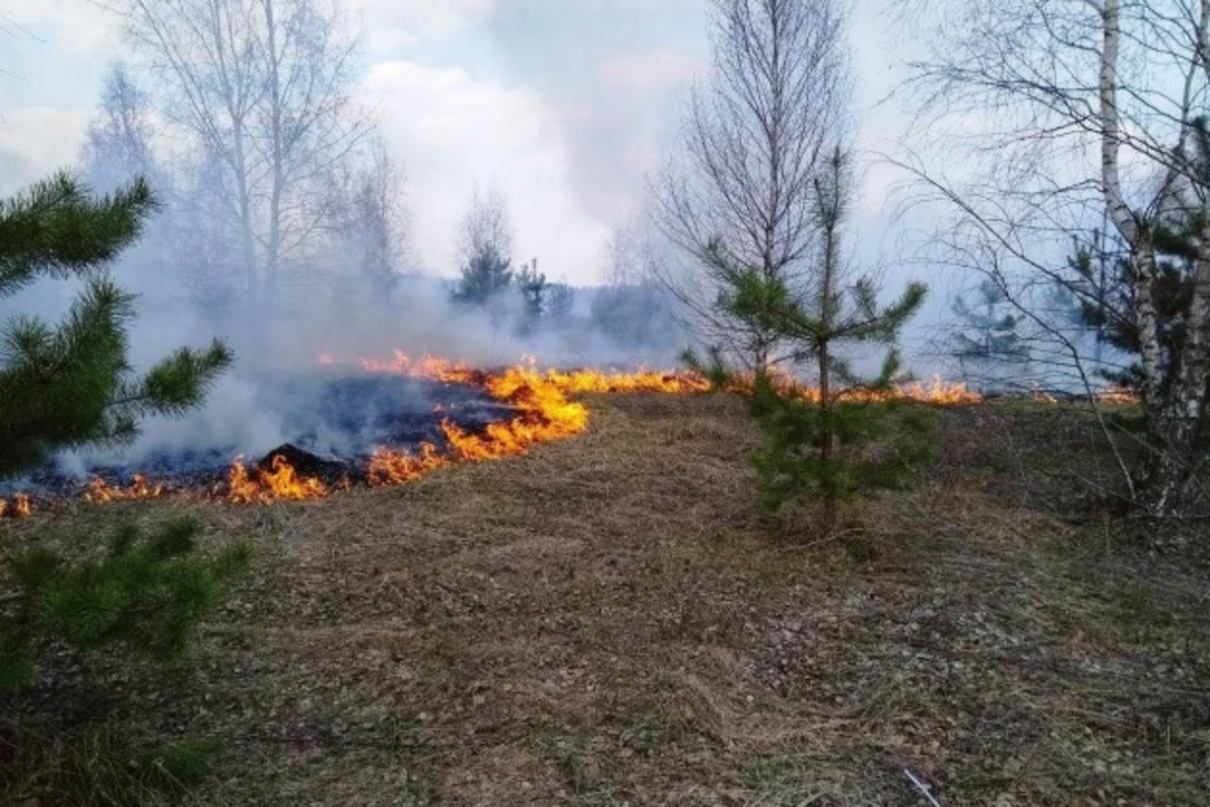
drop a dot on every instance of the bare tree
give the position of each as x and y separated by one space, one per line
485 226
755 139
369 219
262 88
1093 111
635 311
117 147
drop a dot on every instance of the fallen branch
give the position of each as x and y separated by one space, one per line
922 787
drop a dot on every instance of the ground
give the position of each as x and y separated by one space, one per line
608 620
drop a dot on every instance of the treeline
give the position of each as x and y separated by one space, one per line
633 312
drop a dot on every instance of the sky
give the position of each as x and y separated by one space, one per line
564 105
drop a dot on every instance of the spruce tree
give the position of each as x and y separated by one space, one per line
846 438
68 385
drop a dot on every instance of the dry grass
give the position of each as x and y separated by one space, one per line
607 621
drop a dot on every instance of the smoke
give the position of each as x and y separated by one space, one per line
296 354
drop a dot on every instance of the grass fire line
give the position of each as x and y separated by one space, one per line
544 407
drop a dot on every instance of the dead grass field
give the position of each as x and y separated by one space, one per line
607 621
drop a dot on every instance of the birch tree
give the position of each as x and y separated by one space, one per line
1089 111
756 136
261 88
117 147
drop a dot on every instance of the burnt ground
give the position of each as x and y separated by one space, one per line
333 422
608 621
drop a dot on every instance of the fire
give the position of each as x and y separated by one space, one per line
426 367
544 409
389 467
19 507
101 492
937 392
280 482
580 382
1118 397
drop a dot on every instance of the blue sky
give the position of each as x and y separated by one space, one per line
565 105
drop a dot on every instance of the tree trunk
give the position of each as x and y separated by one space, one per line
1175 410
827 445
273 256
247 233
1180 419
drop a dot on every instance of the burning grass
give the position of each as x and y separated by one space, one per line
19 506
544 409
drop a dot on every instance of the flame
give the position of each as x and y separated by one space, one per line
101 492
280 482
545 414
20 507
389 467
430 367
937 392
581 382
1118 397
544 410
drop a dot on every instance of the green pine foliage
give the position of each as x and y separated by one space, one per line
534 290
70 384
877 445
55 228
485 275
843 444
1104 279
1103 302
990 336
145 593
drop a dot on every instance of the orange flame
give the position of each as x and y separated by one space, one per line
389 467
580 382
280 482
426 367
937 392
1118 397
101 492
543 412
19 507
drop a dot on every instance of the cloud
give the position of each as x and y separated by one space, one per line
35 141
390 24
453 131
647 71
77 26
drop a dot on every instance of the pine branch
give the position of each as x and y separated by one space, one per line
55 228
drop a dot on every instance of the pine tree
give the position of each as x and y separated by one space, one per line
834 444
1103 301
533 287
148 594
562 301
485 275
990 338
70 385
